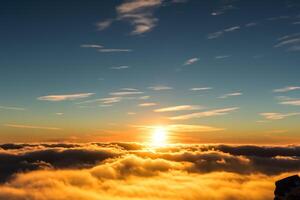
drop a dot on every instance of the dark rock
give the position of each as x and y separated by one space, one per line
288 188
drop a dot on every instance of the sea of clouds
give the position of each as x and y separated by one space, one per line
106 171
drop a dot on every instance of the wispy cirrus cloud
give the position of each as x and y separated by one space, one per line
64 97
107 100
220 33
230 95
222 56
31 127
209 113
294 102
223 8
12 108
183 128
191 61
114 50
120 67
200 88
160 87
147 104
287 89
125 93
100 48
179 108
95 46
289 42
277 116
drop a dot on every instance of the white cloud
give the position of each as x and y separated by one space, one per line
114 50
209 113
277 116
120 67
251 24
129 89
178 108
125 93
215 35
160 87
222 56
295 102
147 104
200 88
191 61
233 28
104 24
64 97
144 97
11 108
59 113
96 46
231 95
31 127
287 89
290 42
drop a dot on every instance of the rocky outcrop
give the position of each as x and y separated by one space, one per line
288 188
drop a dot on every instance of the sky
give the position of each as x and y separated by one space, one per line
222 71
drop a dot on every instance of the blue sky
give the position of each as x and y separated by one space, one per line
57 55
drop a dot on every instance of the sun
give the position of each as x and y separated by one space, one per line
159 136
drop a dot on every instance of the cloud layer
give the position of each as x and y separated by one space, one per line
131 170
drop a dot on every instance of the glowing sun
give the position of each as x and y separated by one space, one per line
159 136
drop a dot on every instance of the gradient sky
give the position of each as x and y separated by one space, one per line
209 71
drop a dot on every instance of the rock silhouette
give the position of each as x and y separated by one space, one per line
288 188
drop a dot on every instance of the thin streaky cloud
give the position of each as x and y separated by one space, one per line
222 56
191 61
108 100
209 113
114 50
160 87
31 127
251 24
185 128
12 108
96 46
287 89
64 97
129 89
277 116
144 97
233 28
200 88
120 67
215 35
147 104
230 95
295 102
104 24
125 93
178 108
131 113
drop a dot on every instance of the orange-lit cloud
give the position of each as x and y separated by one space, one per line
113 171
178 108
31 126
209 113
64 97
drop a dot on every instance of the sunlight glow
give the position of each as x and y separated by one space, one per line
159 136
